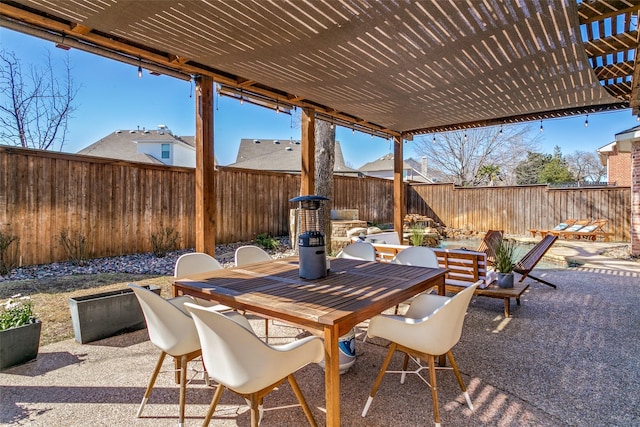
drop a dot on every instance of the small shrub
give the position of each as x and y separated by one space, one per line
16 311
8 253
417 235
164 241
505 256
76 247
266 241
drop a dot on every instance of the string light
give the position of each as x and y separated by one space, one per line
500 129
638 118
465 136
353 131
139 68
586 121
434 138
541 128
277 107
241 98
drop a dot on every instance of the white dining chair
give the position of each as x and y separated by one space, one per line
194 263
359 250
249 254
419 256
239 361
431 327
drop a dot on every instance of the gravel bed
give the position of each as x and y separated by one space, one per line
145 263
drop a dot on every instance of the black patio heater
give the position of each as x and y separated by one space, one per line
310 231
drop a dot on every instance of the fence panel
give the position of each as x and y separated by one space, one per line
117 205
517 209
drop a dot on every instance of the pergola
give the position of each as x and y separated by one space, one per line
392 69
389 68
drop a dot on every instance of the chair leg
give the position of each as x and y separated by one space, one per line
403 376
434 389
459 378
255 412
152 381
376 384
183 388
266 330
214 403
301 399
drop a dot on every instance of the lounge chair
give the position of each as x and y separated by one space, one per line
560 227
591 231
528 262
572 229
489 244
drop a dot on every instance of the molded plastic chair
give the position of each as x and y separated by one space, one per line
419 256
250 254
360 250
172 330
195 262
431 327
238 360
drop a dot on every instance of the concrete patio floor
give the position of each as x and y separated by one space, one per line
567 356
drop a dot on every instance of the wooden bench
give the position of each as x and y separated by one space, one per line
465 268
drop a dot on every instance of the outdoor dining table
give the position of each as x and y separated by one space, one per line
352 292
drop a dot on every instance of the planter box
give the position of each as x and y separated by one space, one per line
19 345
106 314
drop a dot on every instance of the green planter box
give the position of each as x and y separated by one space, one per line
106 314
19 345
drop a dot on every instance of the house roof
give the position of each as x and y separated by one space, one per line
121 144
280 155
384 163
400 68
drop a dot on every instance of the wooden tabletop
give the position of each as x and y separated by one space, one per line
352 292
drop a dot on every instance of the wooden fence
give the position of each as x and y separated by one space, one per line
118 205
517 209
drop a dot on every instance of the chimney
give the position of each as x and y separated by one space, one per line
423 166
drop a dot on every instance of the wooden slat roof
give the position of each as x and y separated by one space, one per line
398 67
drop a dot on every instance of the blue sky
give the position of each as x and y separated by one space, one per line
111 96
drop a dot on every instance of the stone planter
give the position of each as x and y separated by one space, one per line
505 280
19 345
106 314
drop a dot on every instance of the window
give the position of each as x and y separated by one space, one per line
166 153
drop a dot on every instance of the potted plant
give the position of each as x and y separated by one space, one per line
505 252
19 332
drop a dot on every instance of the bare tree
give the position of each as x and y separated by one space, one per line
460 155
35 105
586 166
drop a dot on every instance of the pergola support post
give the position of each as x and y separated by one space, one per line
205 192
635 198
398 187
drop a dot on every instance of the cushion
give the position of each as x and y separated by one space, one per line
373 230
587 229
575 228
560 226
356 231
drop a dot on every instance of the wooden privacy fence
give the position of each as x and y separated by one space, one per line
118 205
517 209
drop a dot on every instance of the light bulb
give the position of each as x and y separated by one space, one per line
586 121
541 128
353 131
139 71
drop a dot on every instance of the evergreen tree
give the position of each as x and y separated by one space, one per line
528 171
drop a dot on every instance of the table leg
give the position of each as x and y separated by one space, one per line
332 375
507 309
442 290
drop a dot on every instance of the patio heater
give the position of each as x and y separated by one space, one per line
310 231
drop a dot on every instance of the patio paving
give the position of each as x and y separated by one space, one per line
567 356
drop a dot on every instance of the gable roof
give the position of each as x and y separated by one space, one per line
280 156
121 144
384 163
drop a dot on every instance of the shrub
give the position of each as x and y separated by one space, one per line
164 241
266 241
417 235
76 247
8 253
505 254
16 311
